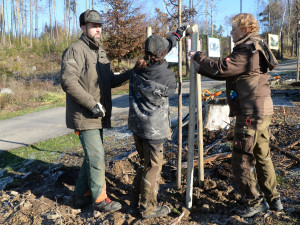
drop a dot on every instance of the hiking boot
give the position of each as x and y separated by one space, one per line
82 202
158 212
251 211
276 205
107 206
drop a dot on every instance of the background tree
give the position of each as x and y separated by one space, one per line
271 17
31 27
2 19
124 30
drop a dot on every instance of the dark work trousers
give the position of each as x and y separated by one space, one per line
251 159
149 177
92 172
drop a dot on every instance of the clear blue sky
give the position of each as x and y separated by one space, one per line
232 7
224 8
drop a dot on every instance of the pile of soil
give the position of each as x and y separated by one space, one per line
46 196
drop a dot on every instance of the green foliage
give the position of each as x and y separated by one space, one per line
5 99
284 181
5 72
51 98
46 45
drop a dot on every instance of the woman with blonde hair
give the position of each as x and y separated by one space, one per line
249 97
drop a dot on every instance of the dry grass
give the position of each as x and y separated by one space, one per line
29 94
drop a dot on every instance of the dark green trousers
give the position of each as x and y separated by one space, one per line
92 172
151 156
251 159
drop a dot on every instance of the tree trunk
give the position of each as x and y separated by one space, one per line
212 18
55 21
23 26
75 17
206 18
12 9
50 21
2 23
292 49
8 31
65 17
36 20
269 16
69 18
18 22
31 31
289 25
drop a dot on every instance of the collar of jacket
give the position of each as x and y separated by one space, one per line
93 45
152 71
254 35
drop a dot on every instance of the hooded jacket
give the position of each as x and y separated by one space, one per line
87 78
246 73
149 91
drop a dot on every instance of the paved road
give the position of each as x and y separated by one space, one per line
35 127
286 66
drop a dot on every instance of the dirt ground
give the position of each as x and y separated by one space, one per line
45 196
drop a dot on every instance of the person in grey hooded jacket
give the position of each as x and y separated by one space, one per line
151 85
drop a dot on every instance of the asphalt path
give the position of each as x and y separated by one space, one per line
40 126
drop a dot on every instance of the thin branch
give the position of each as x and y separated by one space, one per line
289 154
168 10
173 3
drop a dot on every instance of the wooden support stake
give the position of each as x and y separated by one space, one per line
148 31
179 152
199 121
191 138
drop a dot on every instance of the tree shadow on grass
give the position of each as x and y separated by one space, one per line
51 180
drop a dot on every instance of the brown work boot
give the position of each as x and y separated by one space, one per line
107 206
159 211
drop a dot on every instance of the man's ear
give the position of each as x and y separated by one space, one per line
83 29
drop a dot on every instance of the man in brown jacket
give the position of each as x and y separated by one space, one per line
249 97
87 79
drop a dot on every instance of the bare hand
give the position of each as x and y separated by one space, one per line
191 54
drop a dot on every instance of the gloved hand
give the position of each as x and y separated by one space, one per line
197 66
98 110
179 32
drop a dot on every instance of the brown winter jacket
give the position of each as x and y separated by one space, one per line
246 72
87 78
